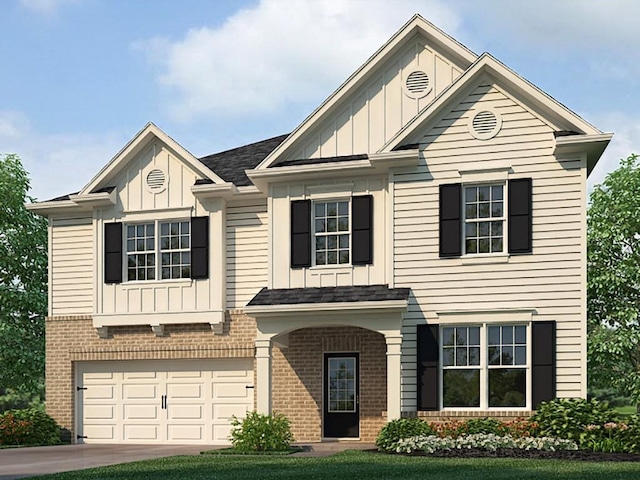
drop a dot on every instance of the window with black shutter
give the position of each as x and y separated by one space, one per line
200 247
519 222
300 233
428 353
450 220
543 339
113 252
362 230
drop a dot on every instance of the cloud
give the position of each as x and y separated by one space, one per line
57 163
46 7
277 53
626 140
563 28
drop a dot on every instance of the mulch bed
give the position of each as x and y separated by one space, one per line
534 454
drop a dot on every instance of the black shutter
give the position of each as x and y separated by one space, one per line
199 247
362 230
543 346
113 252
427 367
519 222
301 233
450 220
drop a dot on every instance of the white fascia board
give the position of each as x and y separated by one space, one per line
47 208
416 25
376 163
592 145
160 318
554 112
76 203
326 308
137 143
213 190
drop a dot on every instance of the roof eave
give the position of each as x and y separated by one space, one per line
591 145
375 164
292 310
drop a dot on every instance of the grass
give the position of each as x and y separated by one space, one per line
354 465
234 451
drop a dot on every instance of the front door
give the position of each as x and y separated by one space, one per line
341 395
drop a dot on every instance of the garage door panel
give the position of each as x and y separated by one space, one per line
133 432
100 392
140 412
185 412
225 412
140 375
99 412
124 401
104 433
230 390
186 432
139 392
187 391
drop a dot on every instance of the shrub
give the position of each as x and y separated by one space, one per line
482 425
399 429
483 441
567 418
261 433
30 426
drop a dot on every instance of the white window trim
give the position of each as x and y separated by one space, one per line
157 252
504 219
349 232
484 367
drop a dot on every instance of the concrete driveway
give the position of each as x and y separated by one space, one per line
33 461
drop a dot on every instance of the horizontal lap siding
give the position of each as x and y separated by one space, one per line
549 280
72 264
247 251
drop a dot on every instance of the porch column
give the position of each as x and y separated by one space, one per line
394 350
263 376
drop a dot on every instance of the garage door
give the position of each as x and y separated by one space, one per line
177 401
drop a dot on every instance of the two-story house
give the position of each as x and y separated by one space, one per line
417 246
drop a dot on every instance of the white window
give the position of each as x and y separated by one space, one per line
485 366
172 248
332 237
484 219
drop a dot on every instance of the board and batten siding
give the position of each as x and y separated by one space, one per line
137 203
366 119
71 266
550 281
247 250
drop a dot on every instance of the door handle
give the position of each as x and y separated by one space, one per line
163 402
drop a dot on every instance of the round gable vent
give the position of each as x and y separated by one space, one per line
156 180
417 84
485 123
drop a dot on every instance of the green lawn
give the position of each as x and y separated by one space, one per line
353 465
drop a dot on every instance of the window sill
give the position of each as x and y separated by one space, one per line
343 266
486 259
157 283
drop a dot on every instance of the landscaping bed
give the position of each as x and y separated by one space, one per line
579 455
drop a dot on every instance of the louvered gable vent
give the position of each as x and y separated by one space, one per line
156 180
417 84
485 124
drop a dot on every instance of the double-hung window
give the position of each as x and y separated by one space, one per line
484 219
332 235
484 366
158 250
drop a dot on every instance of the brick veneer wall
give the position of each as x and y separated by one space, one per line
72 339
297 388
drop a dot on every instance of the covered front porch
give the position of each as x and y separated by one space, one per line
332 367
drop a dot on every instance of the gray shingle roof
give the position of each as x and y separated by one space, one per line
313 161
231 164
292 296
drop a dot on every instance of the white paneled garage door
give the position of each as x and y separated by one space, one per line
168 401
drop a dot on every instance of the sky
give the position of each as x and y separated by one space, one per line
79 78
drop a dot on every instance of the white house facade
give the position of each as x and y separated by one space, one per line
417 246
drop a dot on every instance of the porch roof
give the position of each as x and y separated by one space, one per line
318 295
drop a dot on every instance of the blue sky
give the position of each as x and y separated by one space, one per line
81 77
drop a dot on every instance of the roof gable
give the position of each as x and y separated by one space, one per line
546 108
355 119
135 146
